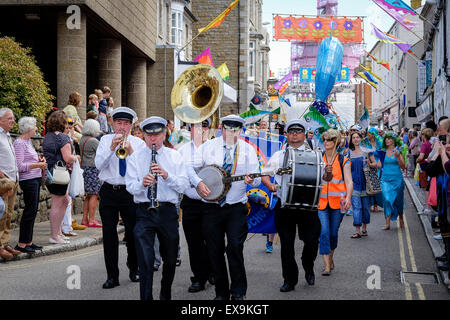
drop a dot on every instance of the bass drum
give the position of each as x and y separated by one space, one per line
301 188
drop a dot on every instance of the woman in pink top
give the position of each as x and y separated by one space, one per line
30 167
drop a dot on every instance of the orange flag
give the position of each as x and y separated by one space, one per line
218 21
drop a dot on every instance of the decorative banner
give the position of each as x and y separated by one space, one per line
311 96
224 72
219 19
309 75
388 38
261 202
283 81
316 29
205 58
403 19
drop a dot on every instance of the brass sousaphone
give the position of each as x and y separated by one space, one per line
197 94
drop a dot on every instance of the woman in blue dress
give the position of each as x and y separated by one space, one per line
392 184
360 200
373 143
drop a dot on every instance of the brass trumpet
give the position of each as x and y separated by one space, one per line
122 152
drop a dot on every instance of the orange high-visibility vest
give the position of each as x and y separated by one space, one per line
331 191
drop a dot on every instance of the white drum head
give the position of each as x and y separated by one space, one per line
212 177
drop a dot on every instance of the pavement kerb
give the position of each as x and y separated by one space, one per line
434 244
75 244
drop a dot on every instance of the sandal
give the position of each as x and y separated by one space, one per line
94 224
364 233
70 234
356 235
325 272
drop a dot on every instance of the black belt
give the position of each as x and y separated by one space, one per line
146 205
116 187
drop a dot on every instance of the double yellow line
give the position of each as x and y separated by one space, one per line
408 290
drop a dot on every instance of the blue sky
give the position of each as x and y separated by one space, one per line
280 50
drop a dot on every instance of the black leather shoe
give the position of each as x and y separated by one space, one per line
237 297
220 298
442 258
27 249
35 247
212 280
134 276
286 287
155 268
196 287
310 278
111 283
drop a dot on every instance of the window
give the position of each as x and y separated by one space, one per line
251 60
177 28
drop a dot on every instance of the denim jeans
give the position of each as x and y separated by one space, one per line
330 219
361 210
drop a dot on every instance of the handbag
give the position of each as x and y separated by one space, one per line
61 175
432 197
373 185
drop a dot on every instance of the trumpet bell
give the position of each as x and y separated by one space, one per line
197 93
121 153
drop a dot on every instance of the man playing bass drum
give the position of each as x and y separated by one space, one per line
287 220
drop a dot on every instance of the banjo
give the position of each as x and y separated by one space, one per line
219 181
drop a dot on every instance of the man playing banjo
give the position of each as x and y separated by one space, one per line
288 219
229 215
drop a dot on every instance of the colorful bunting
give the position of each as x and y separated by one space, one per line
285 79
219 19
397 5
369 71
380 35
384 63
224 72
396 15
366 76
205 58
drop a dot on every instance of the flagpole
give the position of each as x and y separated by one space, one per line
189 42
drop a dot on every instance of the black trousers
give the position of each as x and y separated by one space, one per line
193 213
112 203
229 221
163 222
31 191
287 221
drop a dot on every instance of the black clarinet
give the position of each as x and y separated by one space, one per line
152 188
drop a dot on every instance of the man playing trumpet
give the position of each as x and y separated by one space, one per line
114 198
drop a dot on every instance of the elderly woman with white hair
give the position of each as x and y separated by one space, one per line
92 184
30 167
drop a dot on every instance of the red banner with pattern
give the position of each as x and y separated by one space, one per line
315 29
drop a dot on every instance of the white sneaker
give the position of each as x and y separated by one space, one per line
438 237
53 241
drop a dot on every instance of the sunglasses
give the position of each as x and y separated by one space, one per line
330 139
292 131
231 128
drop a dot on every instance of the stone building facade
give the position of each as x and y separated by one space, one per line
82 45
240 41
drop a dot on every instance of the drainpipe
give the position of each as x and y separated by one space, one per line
238 60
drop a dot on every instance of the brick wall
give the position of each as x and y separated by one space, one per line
160 80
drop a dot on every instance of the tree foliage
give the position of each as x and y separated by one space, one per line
22 85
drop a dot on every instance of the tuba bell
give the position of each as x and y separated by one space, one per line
197 94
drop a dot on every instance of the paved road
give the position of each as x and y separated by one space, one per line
358 263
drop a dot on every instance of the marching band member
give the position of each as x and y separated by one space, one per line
159 182
114 198
287 220
229 216
193 208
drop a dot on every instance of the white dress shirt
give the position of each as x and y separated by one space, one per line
8 164
107 162
191 159
212 152
168 190
276 162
